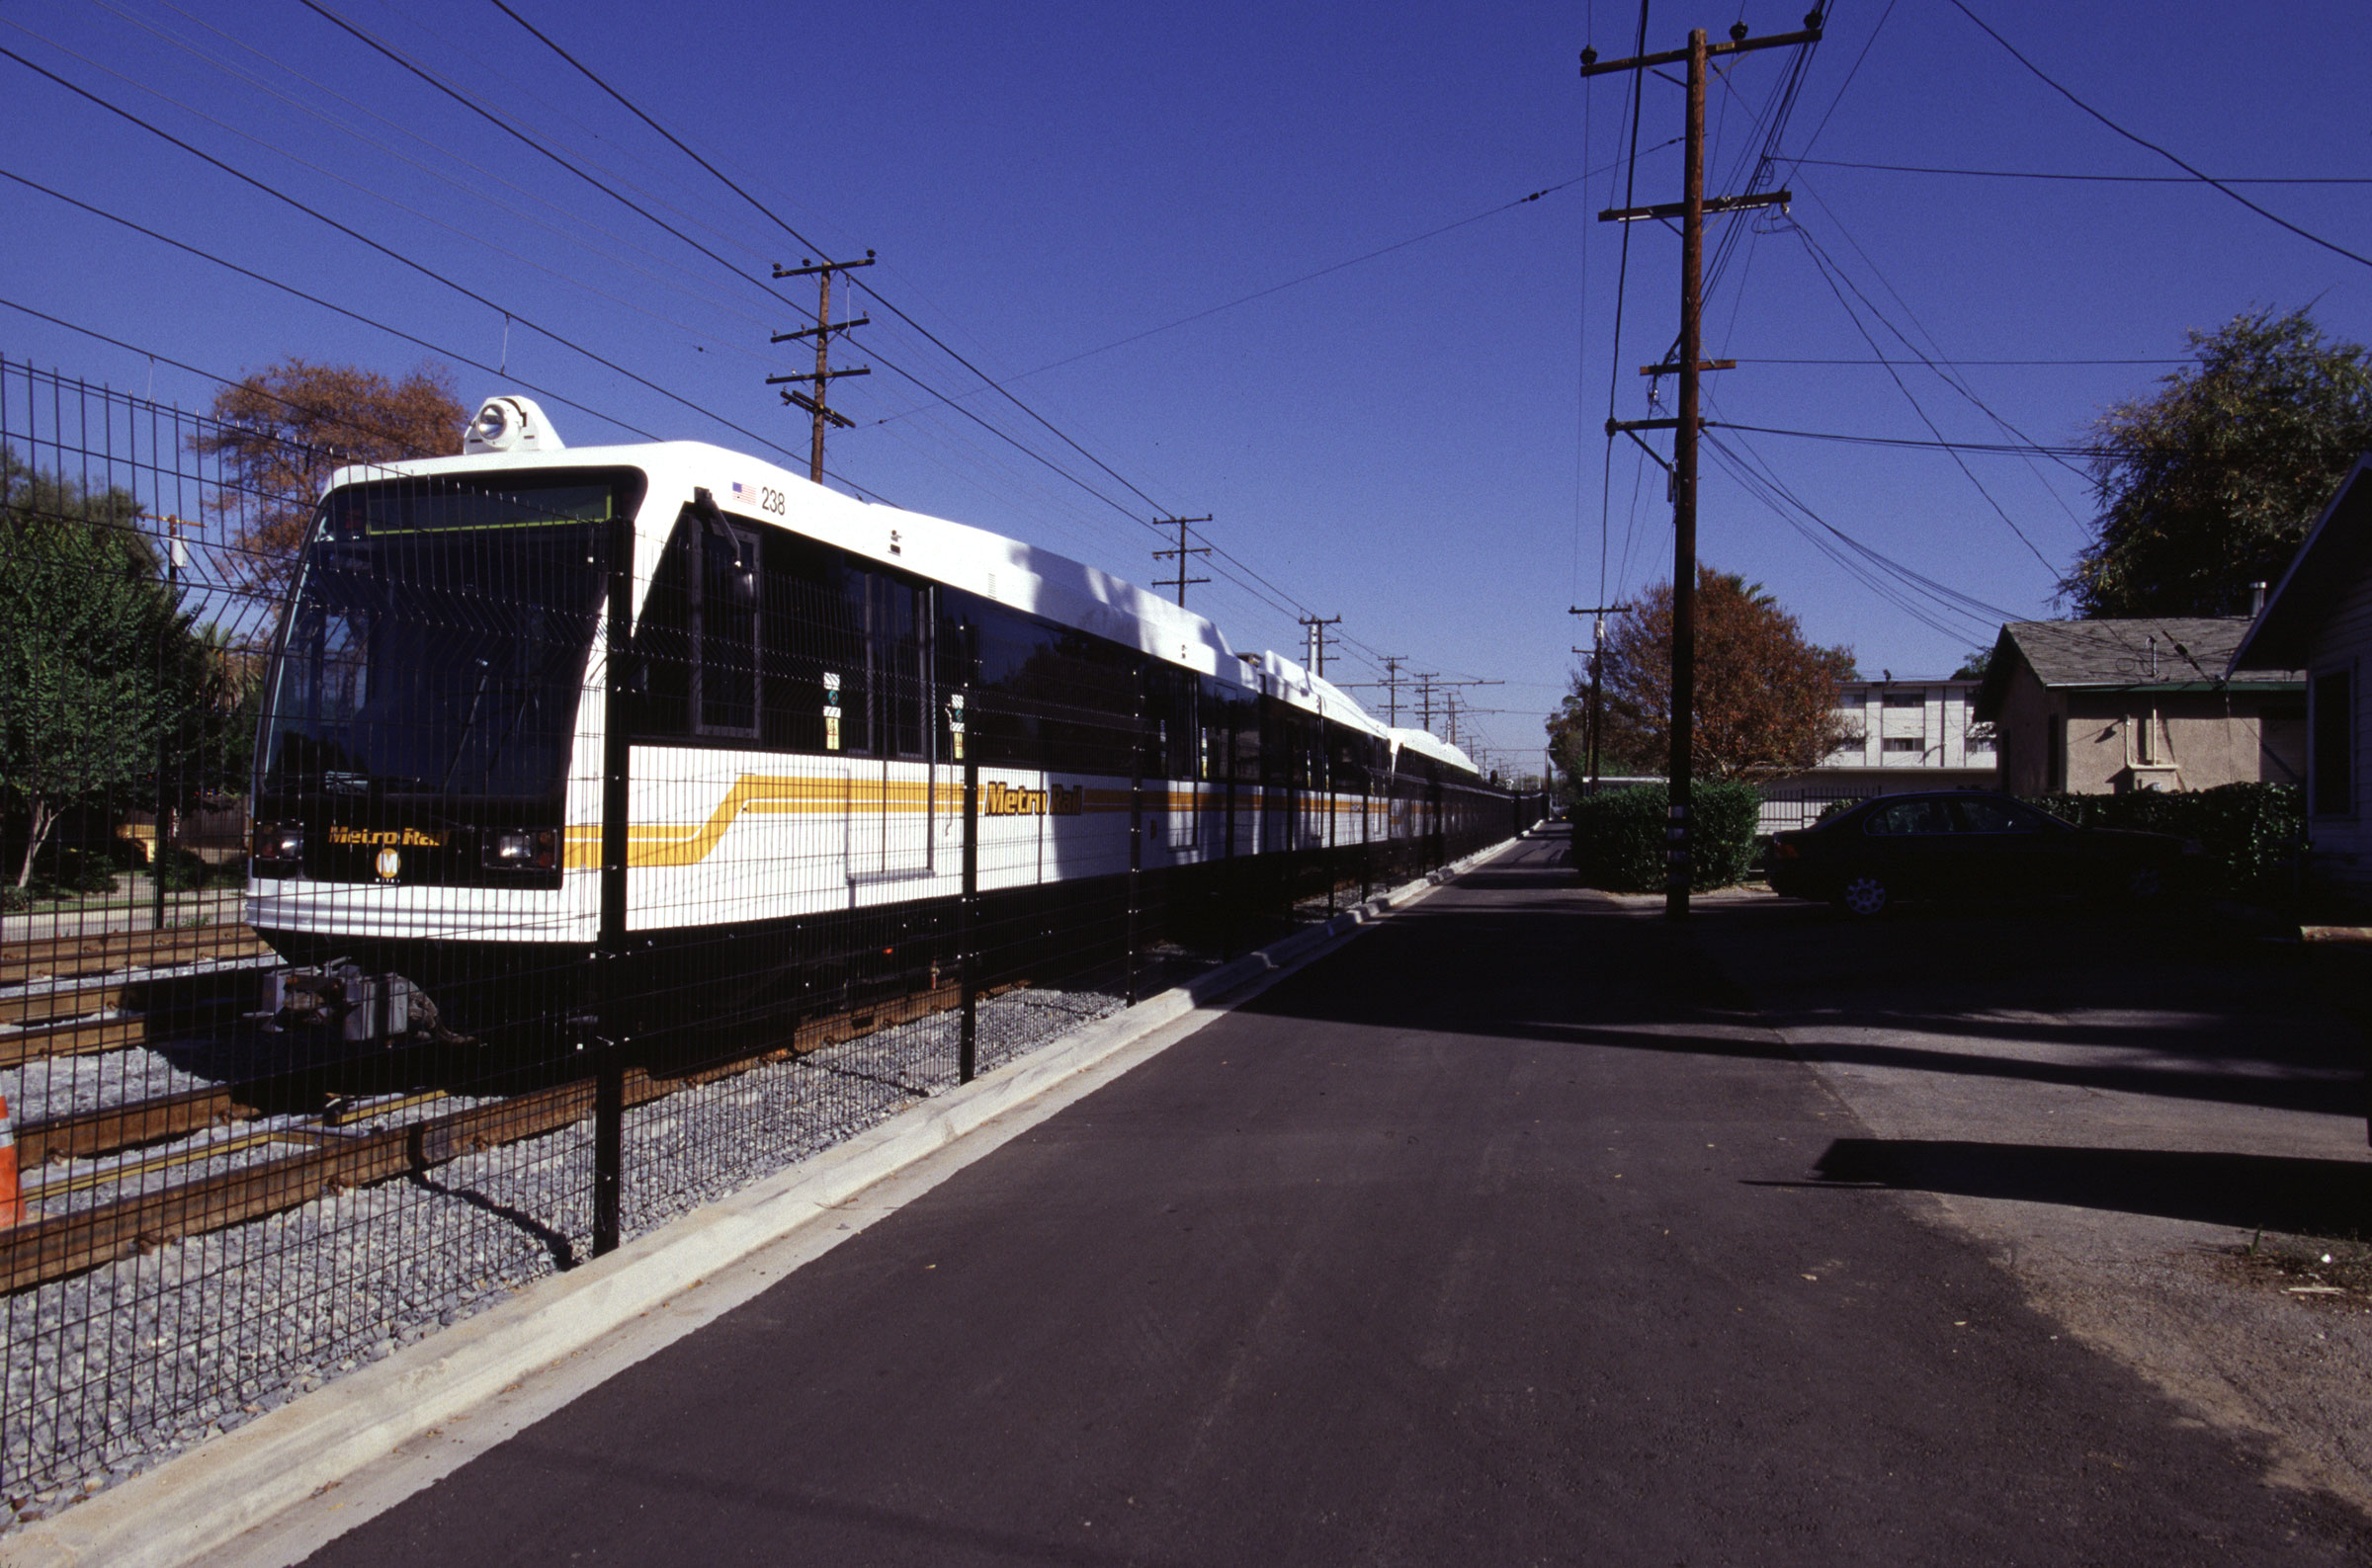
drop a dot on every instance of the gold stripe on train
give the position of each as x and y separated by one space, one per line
669 845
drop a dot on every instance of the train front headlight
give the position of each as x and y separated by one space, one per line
280 844
524 849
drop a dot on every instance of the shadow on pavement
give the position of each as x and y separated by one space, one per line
2143 1011
2315 1198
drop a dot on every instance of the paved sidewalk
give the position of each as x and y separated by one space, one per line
1483 1240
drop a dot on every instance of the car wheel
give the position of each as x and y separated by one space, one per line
1864 896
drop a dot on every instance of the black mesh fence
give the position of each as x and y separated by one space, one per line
410 895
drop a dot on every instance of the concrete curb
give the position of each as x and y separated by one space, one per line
194 1504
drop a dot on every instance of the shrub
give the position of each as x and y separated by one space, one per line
180 870
1619 836
65 870
2250 830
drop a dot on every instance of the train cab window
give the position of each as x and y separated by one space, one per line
727 614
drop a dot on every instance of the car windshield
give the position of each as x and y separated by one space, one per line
437 638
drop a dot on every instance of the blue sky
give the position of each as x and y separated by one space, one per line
1412 440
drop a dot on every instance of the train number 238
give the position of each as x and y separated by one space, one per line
770 500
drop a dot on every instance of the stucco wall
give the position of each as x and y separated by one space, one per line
2198 743
2201 739
2027 714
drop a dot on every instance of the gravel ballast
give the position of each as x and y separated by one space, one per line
112 1371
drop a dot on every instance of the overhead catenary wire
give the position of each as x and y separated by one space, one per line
1241 573
385 250
1292 603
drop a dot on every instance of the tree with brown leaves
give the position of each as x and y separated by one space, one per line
1766 699
283 430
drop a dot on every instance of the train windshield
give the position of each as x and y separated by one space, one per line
438 638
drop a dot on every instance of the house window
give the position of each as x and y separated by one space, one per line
1904 743
2330 760
1906 700
2054 755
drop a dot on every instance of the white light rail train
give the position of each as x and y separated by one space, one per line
673 705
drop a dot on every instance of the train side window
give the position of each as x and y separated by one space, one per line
697 643
1004 720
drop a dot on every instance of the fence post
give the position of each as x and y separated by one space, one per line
1367 832
968 939
1135 832
1226 939
617 753
1333 870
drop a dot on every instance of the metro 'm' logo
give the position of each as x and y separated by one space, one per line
1004 800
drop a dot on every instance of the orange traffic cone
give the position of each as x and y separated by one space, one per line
12 1196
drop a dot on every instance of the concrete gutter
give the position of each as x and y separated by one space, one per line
246 1478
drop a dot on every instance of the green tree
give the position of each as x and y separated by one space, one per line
1765 697
93 649
2210 483
283 430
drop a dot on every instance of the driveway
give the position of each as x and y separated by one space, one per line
2118 1108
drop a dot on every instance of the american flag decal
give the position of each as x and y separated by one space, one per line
744 492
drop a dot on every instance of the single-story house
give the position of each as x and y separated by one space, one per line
2105 707
2318 620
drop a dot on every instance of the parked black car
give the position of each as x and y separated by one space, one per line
1970 845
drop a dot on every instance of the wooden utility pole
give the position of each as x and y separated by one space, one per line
1690 210
823 374
1181 581
1428 683
1597 657
1318 640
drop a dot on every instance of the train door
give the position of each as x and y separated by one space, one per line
1180 745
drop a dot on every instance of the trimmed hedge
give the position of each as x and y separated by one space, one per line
1619 836
2250 831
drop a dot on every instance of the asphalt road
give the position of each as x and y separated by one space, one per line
1493 1238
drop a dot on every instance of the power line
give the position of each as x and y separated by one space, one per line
986 381
1958 364
1996 448
1312 276
2101 179
2144 141
1827 274
1868 44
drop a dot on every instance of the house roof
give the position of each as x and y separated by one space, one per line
2330 562
2153 652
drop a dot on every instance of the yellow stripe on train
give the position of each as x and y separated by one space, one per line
667 845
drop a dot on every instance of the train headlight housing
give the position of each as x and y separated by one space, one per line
280 844
524 849
510 424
